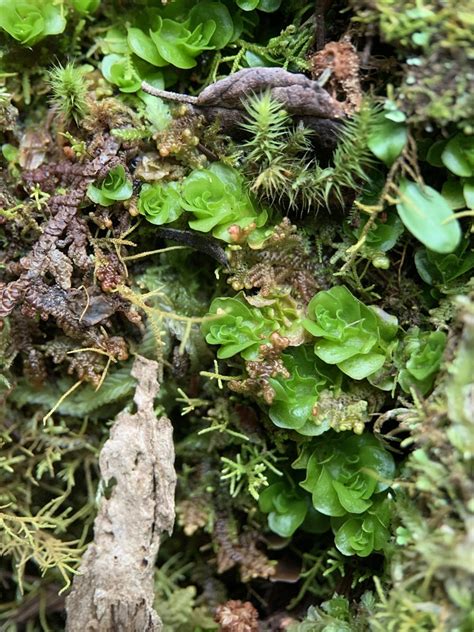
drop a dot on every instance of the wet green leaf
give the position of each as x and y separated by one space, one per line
428 216
452 192
458 155
468 192
218 13
387 139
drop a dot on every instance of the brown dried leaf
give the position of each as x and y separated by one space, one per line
33 146
223 101
237 616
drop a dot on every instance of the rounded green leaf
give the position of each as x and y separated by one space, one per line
468 191
458 155
428 217
247 5
286 524
452 192
396 116
269 6
216 11
86 6
325 498
360 366
435 152
96 196
144 47
287 507
265 499
387 139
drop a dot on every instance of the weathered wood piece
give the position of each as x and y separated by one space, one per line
302 97
114 590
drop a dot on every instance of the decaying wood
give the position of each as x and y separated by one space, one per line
302 97
114 590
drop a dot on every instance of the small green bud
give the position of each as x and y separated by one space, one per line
381 261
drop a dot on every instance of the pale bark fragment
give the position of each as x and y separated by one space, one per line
114 591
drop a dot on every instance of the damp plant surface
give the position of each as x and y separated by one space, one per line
236 315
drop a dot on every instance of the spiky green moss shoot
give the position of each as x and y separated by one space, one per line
274 153
69 92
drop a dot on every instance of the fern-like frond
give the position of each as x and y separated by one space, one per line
352 156
351 162
117 386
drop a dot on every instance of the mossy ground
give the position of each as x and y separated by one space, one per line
262 219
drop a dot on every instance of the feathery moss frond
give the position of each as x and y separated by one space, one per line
350 162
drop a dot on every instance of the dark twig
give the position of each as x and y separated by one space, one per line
203 244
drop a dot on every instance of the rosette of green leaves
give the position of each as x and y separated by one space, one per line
357 338
289 508
114 188
209 11
160 203
29 21
121 71
344 473
295 397
218 200
176 43
236 327
209 26
362 534
419 358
